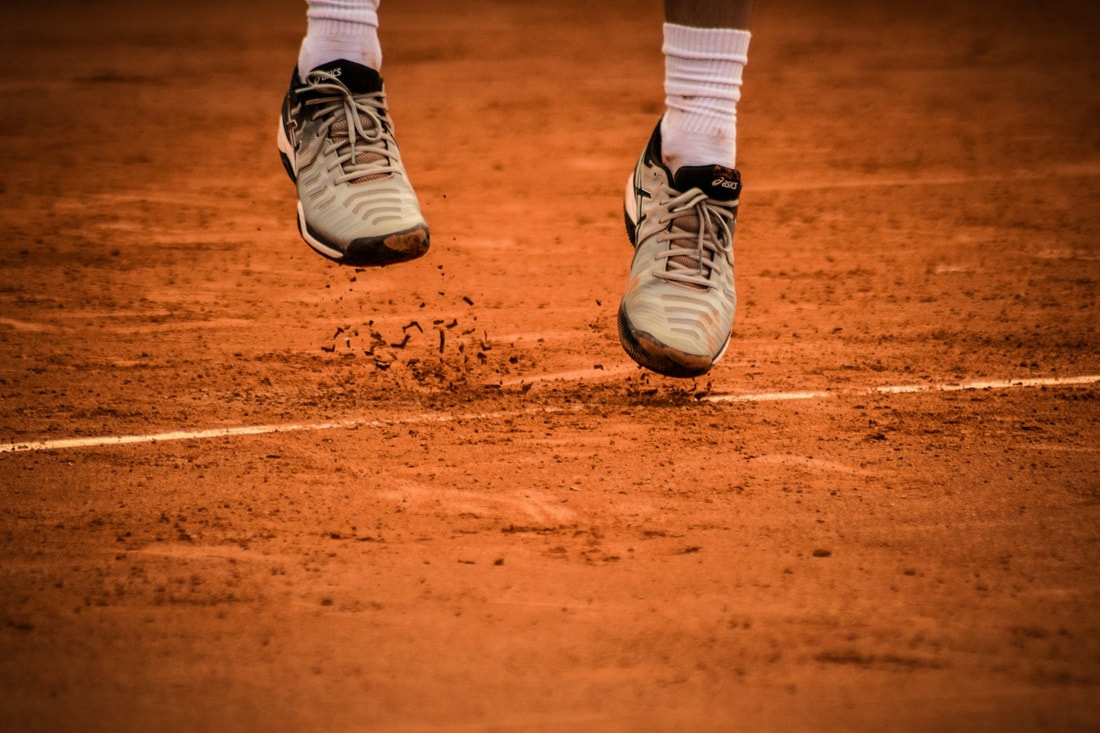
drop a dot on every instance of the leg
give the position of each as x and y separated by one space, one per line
676 315
709 13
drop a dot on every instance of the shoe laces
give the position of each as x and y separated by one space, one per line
353 128
701 230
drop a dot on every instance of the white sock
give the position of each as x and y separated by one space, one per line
341 29
702 88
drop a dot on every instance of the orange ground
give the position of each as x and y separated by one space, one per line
524 531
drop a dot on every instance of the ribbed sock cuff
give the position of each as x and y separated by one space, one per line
350 11
688 42
340 30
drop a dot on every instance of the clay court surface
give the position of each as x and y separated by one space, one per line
439 496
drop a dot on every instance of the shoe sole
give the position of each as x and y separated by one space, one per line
390 249
643 347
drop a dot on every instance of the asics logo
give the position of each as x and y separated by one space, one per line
724 183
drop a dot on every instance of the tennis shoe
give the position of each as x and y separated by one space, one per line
336 139
676 315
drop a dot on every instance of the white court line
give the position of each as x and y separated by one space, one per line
27 326
910 388
1057 172
766 397
995 384
179 435
351 423
112 440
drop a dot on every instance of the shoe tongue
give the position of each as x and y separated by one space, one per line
357 78
716 181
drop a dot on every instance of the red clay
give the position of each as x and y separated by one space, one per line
527 532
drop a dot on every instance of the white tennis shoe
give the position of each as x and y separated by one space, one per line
676 315
336 139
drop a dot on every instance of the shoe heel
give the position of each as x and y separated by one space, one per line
289 168
631 232
630 219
